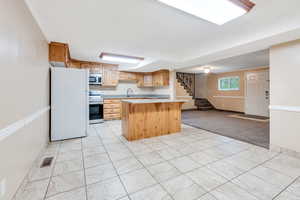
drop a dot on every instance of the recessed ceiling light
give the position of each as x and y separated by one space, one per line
120 58
215 11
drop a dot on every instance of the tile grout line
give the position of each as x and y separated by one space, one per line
118 175
150 175
230 180
285 188
186 155
164 160
83 165
26 180
52 170
181 173
52 176
159 183
261 164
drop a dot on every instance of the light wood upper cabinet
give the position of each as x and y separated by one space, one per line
59 54
110 75
140 79
161 78
127 76
95 68
144 80
154 79
148 80
74 64
85 65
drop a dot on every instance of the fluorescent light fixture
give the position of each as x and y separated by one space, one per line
206 70
215 11
120 58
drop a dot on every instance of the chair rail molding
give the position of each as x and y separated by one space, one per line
14 127
285 108
232 97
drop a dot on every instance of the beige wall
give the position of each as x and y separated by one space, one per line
201 85
284 90
228 100
24 86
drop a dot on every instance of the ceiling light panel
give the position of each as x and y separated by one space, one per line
215 11
120 58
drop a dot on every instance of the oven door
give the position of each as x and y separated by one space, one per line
96 113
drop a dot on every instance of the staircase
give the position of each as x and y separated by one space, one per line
203 104
187 81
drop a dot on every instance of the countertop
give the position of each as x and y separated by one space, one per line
151 96
144 101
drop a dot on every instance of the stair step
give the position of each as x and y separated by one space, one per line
203 104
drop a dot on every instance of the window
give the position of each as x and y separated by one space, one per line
229 83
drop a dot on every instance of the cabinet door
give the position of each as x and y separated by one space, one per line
132 76
140 79
114 80
58 52
124 76
74 64
127 76
110 75
164 78
85 65
96 68
161 78
148 80
156 79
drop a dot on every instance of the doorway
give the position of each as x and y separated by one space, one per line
257 93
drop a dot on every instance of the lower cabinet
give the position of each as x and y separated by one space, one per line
112 109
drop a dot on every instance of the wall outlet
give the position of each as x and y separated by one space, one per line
2 187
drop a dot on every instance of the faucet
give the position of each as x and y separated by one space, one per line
129 90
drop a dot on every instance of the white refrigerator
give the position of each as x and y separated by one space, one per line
69 103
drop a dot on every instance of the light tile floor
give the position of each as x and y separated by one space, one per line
191 165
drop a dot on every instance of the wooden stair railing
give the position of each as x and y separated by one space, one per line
187 80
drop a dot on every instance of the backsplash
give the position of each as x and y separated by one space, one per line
123 86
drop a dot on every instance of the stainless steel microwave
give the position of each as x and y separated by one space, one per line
95 79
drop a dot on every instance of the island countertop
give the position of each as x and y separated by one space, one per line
135 96
146 101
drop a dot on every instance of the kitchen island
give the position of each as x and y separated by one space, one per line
145 118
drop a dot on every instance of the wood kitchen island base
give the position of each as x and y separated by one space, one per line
150 118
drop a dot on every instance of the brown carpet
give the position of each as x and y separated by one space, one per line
219 122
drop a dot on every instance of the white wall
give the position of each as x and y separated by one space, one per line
24 86
285 96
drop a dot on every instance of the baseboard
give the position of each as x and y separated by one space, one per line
286 151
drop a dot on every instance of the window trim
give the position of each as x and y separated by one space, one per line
229 89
